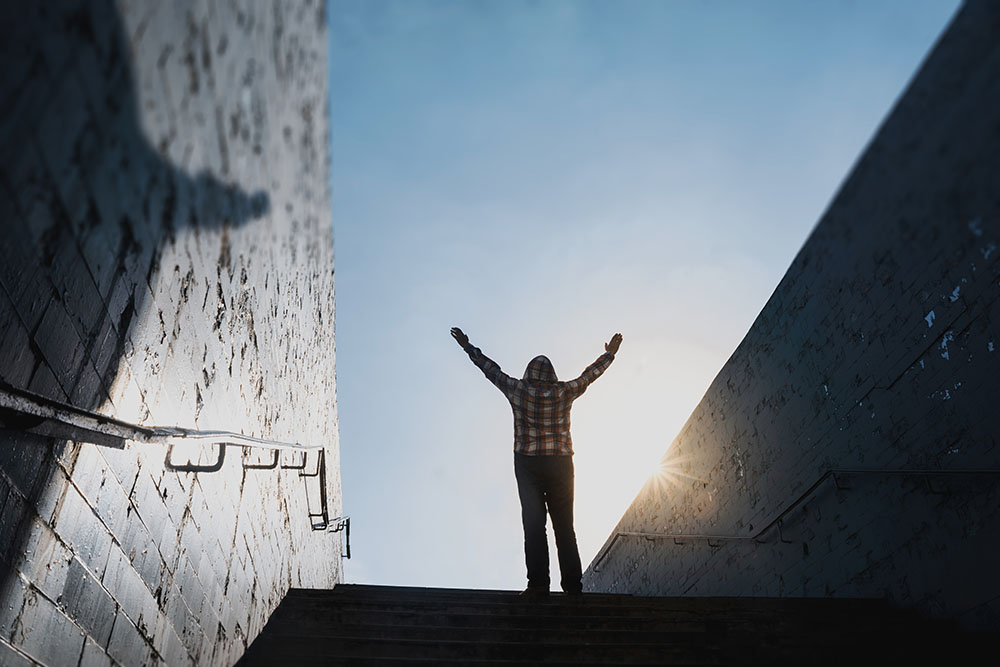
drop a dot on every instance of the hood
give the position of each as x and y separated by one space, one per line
540 370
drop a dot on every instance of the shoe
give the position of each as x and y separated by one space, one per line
535 591
574 593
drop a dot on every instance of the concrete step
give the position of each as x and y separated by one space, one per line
337 648
485 619
295 621
562 634
585 605
355 624
398 594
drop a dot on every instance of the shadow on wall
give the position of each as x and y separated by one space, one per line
87 206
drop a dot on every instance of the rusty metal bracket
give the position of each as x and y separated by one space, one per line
342 523
194 467
781 535
261 466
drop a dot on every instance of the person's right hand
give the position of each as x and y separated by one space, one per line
460 336
612 345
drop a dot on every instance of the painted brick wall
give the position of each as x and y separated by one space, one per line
879 349
166 258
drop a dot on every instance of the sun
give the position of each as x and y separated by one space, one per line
670 472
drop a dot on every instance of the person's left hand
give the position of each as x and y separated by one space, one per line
460 336
612 345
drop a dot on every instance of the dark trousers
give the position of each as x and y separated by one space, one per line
547 482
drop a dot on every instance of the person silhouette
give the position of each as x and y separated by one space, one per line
543 457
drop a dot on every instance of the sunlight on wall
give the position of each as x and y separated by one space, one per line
621 430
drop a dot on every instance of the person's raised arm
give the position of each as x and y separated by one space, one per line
489 367
594 371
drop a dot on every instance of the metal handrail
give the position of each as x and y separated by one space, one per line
776 521
44 416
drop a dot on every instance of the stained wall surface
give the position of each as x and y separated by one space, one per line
166 258
878 351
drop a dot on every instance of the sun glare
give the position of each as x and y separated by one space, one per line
669 473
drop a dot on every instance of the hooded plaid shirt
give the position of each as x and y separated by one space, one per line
540 402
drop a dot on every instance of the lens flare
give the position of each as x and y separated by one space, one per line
670 473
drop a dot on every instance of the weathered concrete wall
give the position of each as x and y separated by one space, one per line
879 350
166 258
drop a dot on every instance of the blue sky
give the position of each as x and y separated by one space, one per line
544 174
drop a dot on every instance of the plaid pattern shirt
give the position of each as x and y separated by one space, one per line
541 403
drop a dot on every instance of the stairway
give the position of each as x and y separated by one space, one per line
383 625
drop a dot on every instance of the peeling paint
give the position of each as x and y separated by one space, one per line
943 347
